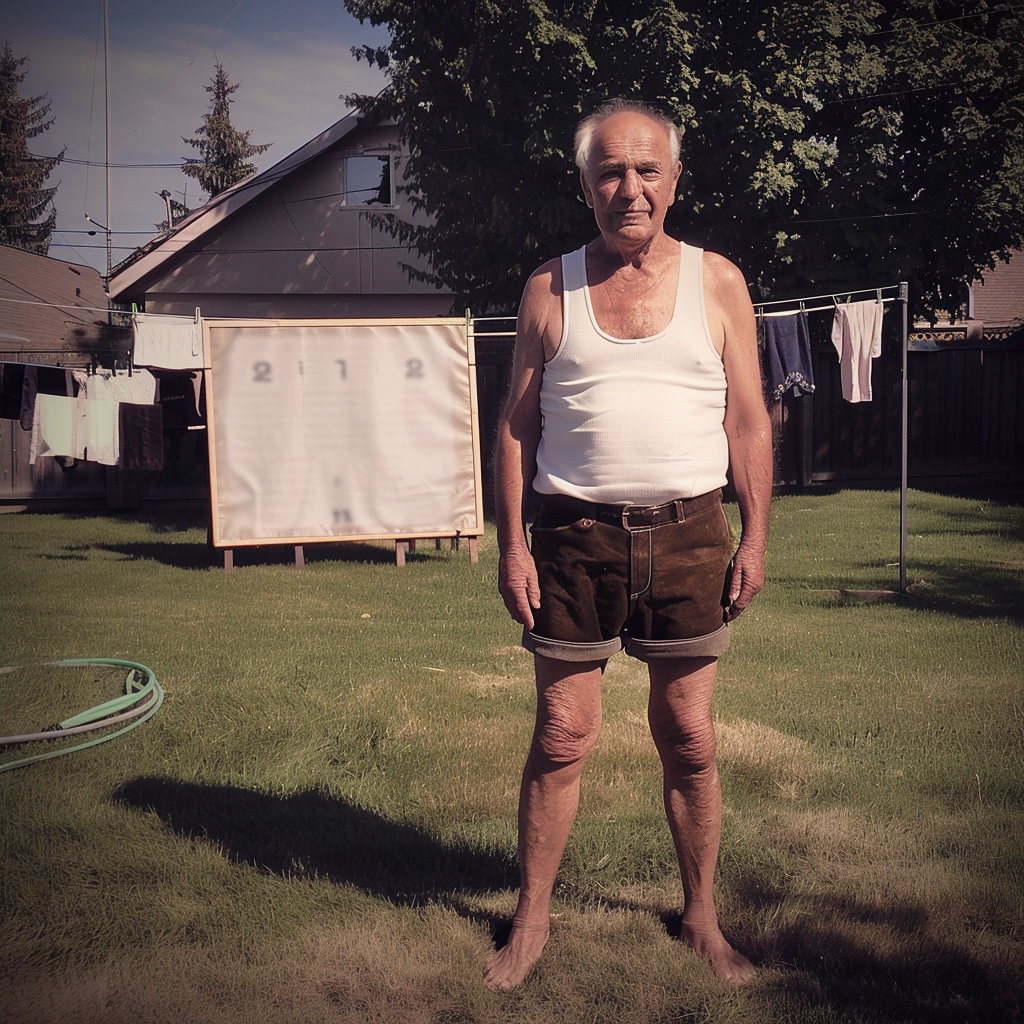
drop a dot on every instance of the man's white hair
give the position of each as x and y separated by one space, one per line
586 128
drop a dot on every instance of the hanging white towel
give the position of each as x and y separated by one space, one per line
138 388
857 337
54 427
98 430
168 342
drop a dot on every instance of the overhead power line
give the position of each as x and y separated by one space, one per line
100 163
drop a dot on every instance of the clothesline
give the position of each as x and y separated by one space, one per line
834 296
93 309
901 296
811 309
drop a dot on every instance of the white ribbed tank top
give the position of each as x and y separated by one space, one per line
633 421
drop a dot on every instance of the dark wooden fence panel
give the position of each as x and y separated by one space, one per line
964 417
965 413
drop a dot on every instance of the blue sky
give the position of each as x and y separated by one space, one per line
291 58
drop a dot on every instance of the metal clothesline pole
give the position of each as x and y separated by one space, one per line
904 441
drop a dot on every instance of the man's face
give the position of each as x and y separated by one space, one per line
630 178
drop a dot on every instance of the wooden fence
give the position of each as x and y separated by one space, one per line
966 427
965 414
965 417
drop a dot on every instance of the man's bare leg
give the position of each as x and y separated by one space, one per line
568 723
680 717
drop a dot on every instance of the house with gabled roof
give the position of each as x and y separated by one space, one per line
298 240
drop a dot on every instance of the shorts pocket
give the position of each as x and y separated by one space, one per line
550 519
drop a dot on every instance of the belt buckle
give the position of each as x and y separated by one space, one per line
650 514
653 515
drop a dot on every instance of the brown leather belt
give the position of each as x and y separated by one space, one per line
633 517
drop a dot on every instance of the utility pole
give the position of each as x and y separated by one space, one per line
106 134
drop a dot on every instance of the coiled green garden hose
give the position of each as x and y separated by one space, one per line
142 697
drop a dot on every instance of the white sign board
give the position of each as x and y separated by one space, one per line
341 430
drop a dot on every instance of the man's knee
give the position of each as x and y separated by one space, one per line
565 736
690 748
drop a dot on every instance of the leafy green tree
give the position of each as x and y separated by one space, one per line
828 144
225 151
27 211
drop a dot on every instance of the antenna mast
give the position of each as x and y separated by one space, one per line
106 134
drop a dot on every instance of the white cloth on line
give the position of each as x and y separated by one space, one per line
168 342
54 427
138 388
98 436
857 337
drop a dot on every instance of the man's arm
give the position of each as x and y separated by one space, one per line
747 423
518 437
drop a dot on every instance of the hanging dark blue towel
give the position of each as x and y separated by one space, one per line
788 343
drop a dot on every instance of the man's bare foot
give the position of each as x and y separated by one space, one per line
512 963
732 967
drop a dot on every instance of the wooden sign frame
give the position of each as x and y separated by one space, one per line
342 430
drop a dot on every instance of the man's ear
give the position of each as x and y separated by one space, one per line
675 185
586 190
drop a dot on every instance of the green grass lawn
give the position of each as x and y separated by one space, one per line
319 822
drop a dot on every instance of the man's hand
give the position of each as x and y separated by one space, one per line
746 580
517 584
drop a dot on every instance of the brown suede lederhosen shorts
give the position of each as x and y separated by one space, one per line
647 579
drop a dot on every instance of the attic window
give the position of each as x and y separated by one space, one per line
367 181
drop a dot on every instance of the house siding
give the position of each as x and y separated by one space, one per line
294 249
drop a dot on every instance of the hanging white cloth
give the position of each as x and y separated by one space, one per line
54 427
138 387
857 337
98 438
168 342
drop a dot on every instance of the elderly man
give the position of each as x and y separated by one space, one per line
636 386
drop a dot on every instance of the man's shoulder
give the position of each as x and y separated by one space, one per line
546 271
721 275
544 284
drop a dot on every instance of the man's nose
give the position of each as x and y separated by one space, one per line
632 186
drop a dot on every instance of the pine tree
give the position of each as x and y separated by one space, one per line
225 150
27 212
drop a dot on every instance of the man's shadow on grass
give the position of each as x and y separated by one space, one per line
312 835
873 961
